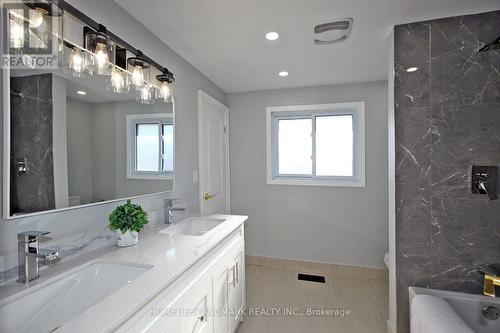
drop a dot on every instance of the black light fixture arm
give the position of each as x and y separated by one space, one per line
101 28
165 76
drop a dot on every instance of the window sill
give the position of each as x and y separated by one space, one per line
317 182
151 177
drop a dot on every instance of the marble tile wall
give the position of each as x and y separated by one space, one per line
31 138
447 118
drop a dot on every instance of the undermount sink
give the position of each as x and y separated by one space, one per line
193 226
51 304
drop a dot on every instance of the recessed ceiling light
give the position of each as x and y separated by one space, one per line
273 35
81 92
283 73
412 69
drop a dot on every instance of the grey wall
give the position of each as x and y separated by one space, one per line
188 81
79 131
447 117
323 224
103 151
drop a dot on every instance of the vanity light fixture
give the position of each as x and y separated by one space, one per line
412 69
273 35
103 51
165 91
139 68
146 94
77 62
81 92
44 24
99 54
16 29
36 17
119 81
283 73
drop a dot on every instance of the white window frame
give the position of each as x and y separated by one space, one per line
132 121
275 113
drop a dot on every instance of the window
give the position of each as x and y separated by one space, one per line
316 145
150 146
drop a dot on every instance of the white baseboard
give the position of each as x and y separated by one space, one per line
315 267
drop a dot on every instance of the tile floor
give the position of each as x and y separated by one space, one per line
268 287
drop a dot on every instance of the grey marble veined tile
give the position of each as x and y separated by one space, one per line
443 232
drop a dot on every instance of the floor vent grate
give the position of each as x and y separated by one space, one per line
311 278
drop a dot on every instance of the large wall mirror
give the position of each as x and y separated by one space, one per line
71 141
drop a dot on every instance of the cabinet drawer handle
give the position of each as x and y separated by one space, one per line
237 272
233 269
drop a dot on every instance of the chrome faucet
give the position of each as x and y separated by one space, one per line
29 254
170 209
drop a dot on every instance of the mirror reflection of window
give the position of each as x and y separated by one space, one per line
168 147
147 143
150 146
154 147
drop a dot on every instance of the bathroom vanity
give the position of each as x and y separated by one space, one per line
207 298
186 277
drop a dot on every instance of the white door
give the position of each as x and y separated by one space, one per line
213 147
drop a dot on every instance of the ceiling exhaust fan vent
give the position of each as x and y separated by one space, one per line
332 32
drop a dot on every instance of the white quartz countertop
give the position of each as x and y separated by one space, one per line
169 255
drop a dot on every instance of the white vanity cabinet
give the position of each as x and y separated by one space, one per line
205 299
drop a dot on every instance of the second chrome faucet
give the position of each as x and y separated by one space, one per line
169 211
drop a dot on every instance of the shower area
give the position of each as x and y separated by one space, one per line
447 121
31 167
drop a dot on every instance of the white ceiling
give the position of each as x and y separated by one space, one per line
224 39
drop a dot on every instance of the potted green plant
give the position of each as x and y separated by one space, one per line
127 220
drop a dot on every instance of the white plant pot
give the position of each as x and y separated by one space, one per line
128 238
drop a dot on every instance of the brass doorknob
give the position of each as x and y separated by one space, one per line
209 196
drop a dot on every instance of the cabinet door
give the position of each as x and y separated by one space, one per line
236 281
220 300
187 312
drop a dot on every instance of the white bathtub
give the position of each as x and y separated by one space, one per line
468 307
